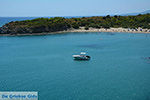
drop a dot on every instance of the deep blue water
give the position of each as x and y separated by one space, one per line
4 20
118 70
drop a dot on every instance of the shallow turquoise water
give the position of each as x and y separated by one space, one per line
119 68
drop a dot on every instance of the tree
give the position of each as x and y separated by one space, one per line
75 26
115 16
108 16
86 28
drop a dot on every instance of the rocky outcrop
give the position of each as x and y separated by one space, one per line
12 29
16 29
34 26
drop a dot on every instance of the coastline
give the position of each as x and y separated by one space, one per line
126 30
82 29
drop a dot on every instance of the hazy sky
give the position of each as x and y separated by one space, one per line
71 7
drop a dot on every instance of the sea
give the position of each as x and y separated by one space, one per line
119 68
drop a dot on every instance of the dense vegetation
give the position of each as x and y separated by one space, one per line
40 25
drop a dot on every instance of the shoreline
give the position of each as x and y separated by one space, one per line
82 29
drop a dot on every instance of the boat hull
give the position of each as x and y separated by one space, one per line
81 57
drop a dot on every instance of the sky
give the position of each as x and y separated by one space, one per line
36 8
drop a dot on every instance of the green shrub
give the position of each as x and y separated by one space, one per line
86 28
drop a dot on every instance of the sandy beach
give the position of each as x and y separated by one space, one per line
82 29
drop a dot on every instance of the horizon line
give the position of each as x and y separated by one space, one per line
123 14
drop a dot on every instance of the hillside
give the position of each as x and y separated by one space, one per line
40 25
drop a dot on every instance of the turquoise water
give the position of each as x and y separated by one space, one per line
118 70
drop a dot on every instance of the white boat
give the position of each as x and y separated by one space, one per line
82 56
